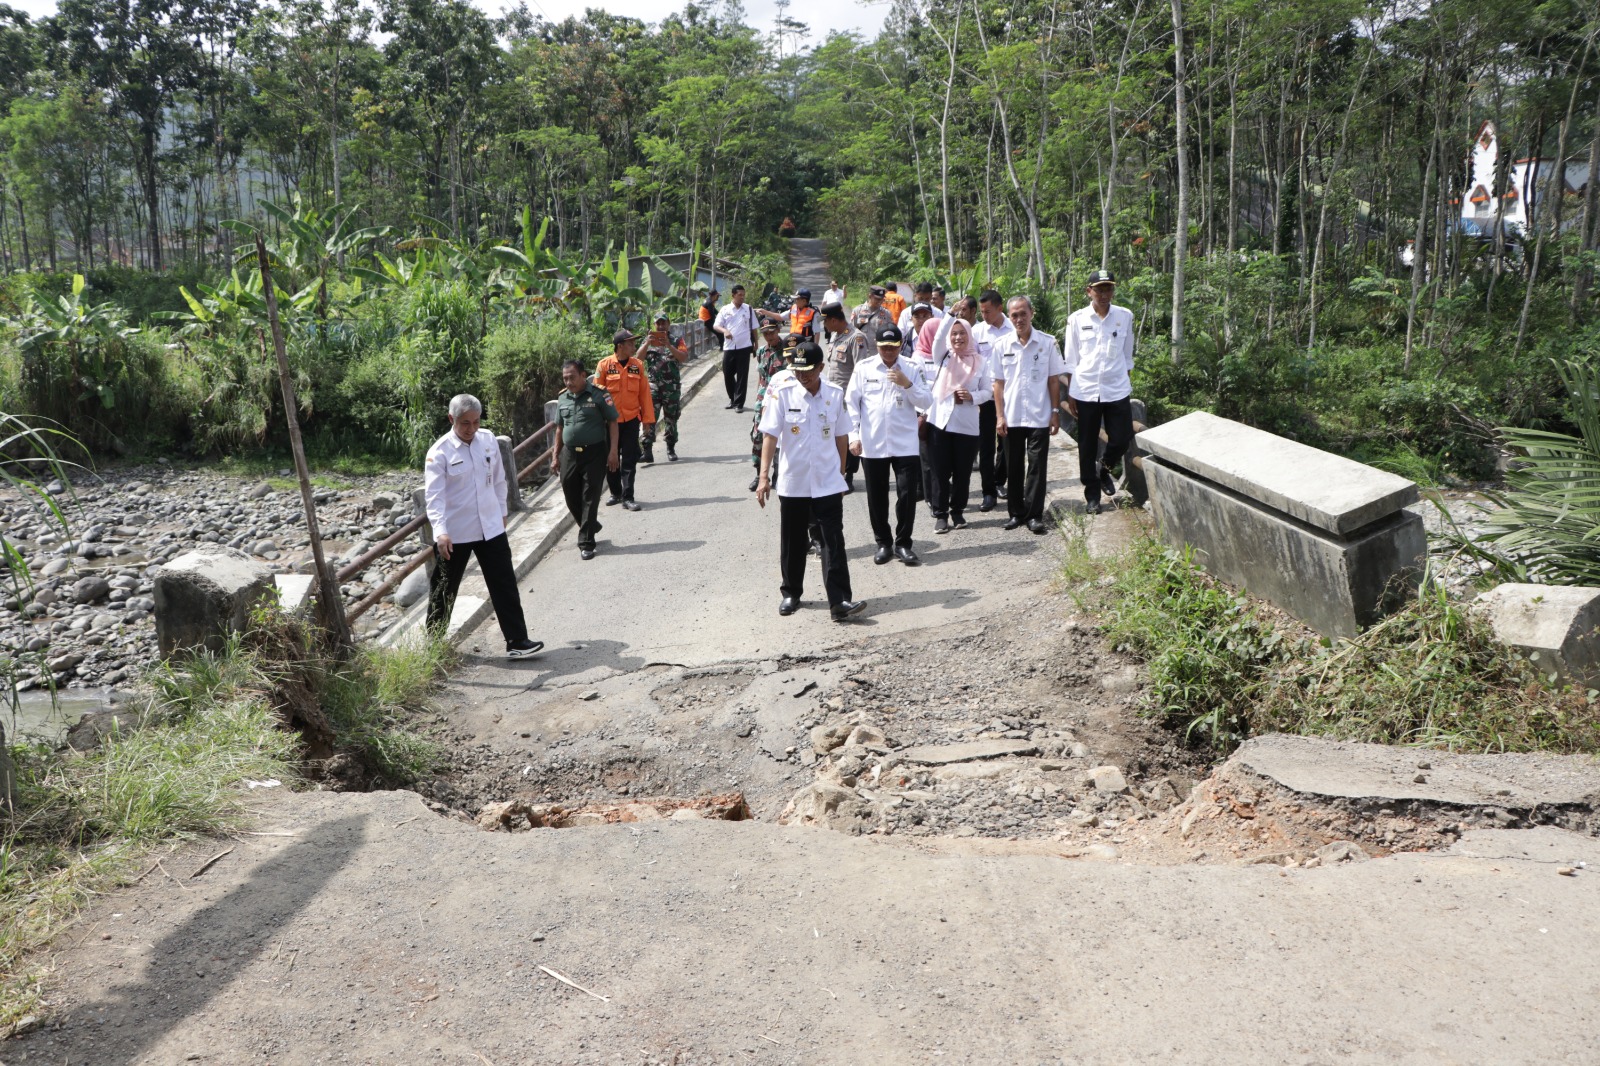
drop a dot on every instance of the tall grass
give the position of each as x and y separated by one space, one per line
1222 669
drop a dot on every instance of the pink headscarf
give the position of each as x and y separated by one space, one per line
963 362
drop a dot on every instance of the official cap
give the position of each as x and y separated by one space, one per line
621 335
806 355
832 310
890 335
769 326
1102 277
922 307
803 292
878 290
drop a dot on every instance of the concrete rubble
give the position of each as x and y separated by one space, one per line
203 596
1556 626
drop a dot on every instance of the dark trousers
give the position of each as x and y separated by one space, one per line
1116 416
736 373
494 559
991 459
583 471
621 479
925 488
907 473
795 515
952 471
1027 452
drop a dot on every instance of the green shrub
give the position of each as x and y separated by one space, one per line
113 393
521 369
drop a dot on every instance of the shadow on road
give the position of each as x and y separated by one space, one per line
657 547
201 958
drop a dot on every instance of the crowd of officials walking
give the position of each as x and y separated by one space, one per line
908 395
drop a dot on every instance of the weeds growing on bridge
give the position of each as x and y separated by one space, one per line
174 771
1222 667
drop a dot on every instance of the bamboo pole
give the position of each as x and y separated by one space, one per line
330 607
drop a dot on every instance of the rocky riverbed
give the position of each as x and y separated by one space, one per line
87 619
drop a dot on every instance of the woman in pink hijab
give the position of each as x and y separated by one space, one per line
961 382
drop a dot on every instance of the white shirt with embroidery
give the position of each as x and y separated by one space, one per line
1024 371
465 488
1099 354
806 427
883 411
740 322
989 339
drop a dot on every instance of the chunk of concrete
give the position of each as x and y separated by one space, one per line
1316 487
1556 626
202 596
827 806
509 462
293 590
945 754
1335 584
1106 779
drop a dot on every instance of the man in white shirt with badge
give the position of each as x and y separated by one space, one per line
883 398
988 333
464 485
1099 355
804 417
1027 390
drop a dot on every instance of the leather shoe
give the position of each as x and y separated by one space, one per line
612 501
1092 507
1036 525
941 524
754 482
904 553
987 505
849 485
586 553
1108 486
788 605
729 407
1012 523
672 454
1000 492
630 505
844 610
884 554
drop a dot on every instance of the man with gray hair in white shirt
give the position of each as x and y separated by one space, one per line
465 487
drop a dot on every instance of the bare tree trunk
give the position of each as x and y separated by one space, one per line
1108 194
1180 243
1233 205
1556 189
1327 195
944 136
1419 250
1587 235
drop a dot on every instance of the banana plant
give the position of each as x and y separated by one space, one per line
533 274
311 244
237 307
84 329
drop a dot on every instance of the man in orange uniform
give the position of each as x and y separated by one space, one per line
893 302
800 315
624 377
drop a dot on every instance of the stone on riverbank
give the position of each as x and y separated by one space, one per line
202 596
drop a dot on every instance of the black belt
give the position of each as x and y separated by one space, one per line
581 447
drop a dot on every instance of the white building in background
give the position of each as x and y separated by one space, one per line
1526 184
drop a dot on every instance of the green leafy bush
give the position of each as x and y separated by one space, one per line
521 369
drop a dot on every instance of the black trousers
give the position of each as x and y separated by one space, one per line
1027 452
621 479
736 373
583 472
1116 417
925 488
991 459
952 471
494 559
907 473
795 515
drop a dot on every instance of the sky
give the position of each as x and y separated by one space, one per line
820 15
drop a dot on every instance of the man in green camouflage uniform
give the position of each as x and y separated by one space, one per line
664 361
769 361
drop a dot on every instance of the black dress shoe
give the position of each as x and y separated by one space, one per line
729 407
1012 523
1000 492
788 605
1092 507
849 485
904 553
738 409
1036 525
841 611
987 505
586 553
672 454
612 501
1108 486
883 555
630 505
941 524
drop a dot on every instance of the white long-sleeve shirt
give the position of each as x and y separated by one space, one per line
465 488
1099 354
883 411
